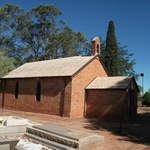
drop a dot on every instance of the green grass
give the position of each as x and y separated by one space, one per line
1 121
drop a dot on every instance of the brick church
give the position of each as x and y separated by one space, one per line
73 87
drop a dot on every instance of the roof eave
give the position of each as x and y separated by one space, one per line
107 88
35 77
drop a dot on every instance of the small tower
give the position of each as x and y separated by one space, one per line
96 46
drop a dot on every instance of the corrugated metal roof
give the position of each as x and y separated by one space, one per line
49 68
120 82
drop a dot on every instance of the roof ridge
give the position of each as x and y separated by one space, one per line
55 59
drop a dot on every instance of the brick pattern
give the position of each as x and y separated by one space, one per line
1 100
80 81
64 96
52 95
107 104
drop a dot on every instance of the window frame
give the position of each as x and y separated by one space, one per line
38 92
16 93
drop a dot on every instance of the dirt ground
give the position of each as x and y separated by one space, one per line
135 135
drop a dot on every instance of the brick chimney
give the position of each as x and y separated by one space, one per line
96 46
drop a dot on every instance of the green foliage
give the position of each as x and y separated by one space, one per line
147 98
37 34
125 62
6 64
9 16
65 44
111 49
117 59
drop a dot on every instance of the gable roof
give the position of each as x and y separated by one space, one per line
118 82
50 68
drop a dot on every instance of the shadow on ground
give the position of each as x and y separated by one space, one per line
136 131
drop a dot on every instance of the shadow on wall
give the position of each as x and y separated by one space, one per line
137 131
111 99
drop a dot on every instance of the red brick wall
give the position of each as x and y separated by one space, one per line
80 81
60 95
1 93
0 100
107 104
66 102
53 92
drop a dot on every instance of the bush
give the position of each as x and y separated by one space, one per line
146 99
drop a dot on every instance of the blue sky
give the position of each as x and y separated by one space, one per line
131 17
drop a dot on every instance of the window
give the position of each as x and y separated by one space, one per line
38 92
16 90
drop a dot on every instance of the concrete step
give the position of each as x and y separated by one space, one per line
63 138
5 147
52 137
51 144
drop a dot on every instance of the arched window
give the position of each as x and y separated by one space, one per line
38 92
16 90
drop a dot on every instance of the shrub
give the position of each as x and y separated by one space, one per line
146 99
